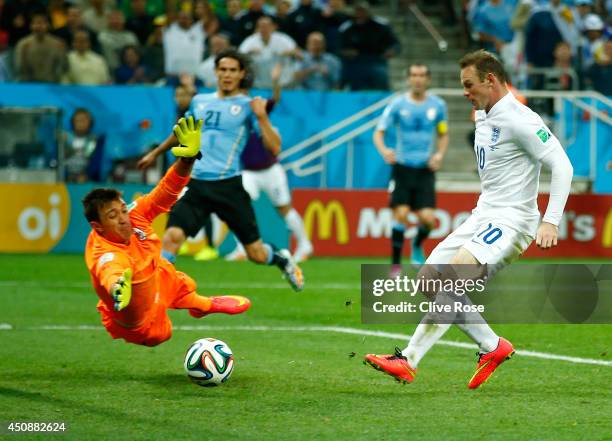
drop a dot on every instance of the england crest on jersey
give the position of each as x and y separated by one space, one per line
495 134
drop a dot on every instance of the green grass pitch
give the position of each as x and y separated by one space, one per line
288 383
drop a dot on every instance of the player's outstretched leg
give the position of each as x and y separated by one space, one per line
487 363
395 365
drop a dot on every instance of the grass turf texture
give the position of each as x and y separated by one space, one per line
286 385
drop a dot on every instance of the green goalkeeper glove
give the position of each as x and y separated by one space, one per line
122 290
188 134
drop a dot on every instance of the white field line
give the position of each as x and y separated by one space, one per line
332 329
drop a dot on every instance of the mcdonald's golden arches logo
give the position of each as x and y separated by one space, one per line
326 215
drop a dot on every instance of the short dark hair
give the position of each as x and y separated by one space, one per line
484 62
96 199
418 64
243 61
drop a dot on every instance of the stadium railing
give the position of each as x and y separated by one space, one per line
580 121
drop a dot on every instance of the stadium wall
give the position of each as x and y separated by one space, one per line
136 117
43 218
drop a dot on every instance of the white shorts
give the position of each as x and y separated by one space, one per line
488 239
272 181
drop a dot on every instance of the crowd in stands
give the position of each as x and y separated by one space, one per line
548 44
318 46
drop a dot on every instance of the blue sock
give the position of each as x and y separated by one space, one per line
169 256
270 250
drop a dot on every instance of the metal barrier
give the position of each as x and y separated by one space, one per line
31 144
365 120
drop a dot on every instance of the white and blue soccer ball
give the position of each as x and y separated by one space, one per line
209 362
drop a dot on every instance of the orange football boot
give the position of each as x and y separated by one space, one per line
395 365
224 305
487 363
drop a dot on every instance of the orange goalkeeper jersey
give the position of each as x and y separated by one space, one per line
107 260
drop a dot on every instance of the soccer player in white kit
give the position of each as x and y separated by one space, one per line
512 142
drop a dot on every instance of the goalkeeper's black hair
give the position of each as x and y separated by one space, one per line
243 61
96 199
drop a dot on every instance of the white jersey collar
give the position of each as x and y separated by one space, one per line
498 106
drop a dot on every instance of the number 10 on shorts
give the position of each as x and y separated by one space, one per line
490 234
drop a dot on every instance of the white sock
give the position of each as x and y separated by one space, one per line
482 334
424 337
296 226
474 326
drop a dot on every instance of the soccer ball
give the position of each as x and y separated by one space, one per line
209 362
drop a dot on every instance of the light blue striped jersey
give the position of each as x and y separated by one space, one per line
416 125
227 124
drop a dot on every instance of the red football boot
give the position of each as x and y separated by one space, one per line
395 365
487 363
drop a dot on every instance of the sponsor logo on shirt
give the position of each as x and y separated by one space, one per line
235 109
105 258
140 234
405 113
543 134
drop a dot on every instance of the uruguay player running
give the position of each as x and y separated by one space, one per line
216 184
512 143
420 121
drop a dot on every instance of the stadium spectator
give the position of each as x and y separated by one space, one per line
40 57
266 47
600 72
231 24
96 16
84 150
582 8
153 54
123 246
206 70
5 66
305 19
74 22
115 38
319 70
366 45
140 22
592 47
131 70
560 77
492 23
58 13
205 16
16 16
183 46
248 19
332 17
84 65
281 16
421 122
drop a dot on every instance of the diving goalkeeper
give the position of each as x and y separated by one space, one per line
135 284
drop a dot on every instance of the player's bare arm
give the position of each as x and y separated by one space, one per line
435 162
387 153
271 138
